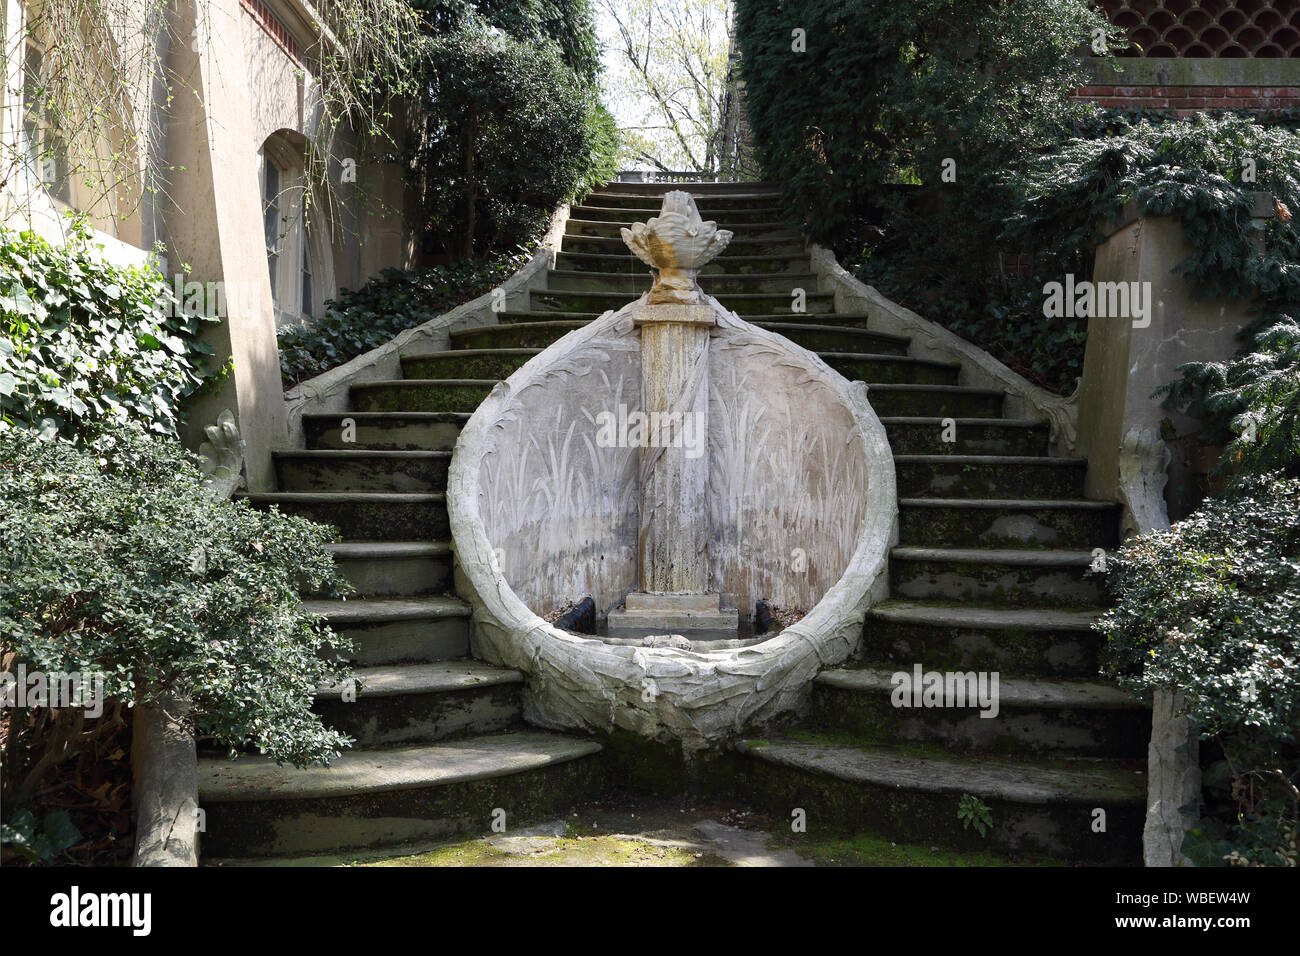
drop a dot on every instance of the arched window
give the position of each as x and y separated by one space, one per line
295 258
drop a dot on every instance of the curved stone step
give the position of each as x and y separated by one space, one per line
365 515
948 401
493 363
743 214
989 476
361 469
627 264
891 369
1017 715
379 569
637 282
394 431
1037 806
1023 641
421 395
1007 523
777 231
546 300
376 797
857 321
973 436
607 245
839 339
412 703
1012 577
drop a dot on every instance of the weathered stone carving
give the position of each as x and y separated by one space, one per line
1143 470
677 244
223 456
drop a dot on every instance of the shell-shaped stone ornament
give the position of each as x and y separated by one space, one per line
677 244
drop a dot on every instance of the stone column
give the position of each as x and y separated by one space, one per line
674 534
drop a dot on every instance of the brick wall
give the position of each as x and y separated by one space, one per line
1193 98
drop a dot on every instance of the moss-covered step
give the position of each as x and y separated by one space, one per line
748 248
528 334
711 205
748 232
363 469
1007 523
421 395
1029 715
839 338
815 303
948 401
390 631
624 214
970 436
628 264
641 280
891 369
1043 806
391 795
989 476
394 568
416 431
414 703
1011 578
467 363
962 637
366 515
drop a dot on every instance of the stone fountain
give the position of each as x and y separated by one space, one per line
673 537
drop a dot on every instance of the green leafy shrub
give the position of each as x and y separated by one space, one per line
508 130
1211 609
859 129
83 341
115 560
390 303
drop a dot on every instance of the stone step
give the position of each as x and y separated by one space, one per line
635 283
1024 641
394 568
1007 523
708 198
891 369
467 363
628 214
394 431
779 304
365 515
1028 716
414 703
989 476
627 264
392 795
1038 807
423 395
973 436
361 469
955 401
530 333
748 248
747 232
841 320
1008 578
391 631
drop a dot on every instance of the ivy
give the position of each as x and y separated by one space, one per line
84 342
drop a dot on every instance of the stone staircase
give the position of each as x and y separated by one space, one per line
995 538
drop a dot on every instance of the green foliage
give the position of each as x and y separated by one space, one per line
1205 171
857 130
115 560
974 812
84 341
508 131
1211 609
392 302
44 841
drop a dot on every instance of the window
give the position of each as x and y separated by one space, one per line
307 293
46 156
271 221
299 270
